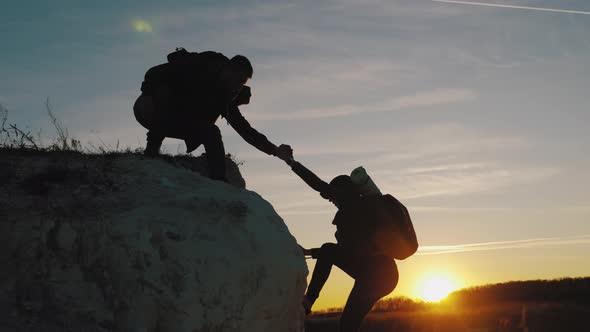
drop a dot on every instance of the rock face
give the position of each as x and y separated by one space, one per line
123 243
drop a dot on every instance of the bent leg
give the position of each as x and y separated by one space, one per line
144 110
211 139
329 254
378 278
358 305
326 255
145 113
154 142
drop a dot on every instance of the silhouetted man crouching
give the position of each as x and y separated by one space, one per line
184 97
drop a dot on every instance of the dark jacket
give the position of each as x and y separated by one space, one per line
356 223
190 86
189 91
249 134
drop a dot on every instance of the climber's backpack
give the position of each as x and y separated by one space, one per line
395 235
184 71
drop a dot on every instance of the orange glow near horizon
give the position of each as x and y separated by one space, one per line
435 286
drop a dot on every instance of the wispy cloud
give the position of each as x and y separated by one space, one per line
416 100
427 144
446 167
443 140
465 180
487 4
444 181
487 209
307 212
500 245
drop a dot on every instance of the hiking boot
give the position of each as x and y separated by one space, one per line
152 150
154 142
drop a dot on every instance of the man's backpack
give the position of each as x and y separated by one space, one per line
395 234
184 71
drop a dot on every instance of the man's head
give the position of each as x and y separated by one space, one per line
341 191
242 66
235 75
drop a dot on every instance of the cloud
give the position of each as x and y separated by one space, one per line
416 100
440 160
444 141
465 180
442 168
427 144
450 180
307 212
500 245
561 210
487 4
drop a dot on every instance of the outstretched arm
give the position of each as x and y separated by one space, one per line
309 177
239 123
249 134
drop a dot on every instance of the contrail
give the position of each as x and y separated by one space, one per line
514 7
517 244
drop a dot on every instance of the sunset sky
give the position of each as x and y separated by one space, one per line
475 116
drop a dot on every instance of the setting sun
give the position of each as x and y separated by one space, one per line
435 287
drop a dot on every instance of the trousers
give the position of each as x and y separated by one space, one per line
164 118
375 277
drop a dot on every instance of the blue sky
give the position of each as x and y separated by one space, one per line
476 117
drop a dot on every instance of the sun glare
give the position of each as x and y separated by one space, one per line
140 25
436 287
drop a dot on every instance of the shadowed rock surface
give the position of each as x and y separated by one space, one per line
125 243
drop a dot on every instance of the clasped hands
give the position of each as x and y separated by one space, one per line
284 152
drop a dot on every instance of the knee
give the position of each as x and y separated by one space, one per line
144 111
327 251
384 279
388 285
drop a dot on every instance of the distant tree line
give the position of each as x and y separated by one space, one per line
575 290
565 290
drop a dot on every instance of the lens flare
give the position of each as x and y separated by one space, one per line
140 25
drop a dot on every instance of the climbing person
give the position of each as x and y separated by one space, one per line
184 97
372 230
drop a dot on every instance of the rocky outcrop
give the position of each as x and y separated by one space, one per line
124 243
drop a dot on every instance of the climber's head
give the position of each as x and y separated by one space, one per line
342 191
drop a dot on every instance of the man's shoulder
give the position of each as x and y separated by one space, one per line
211 56
233 112
207 65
